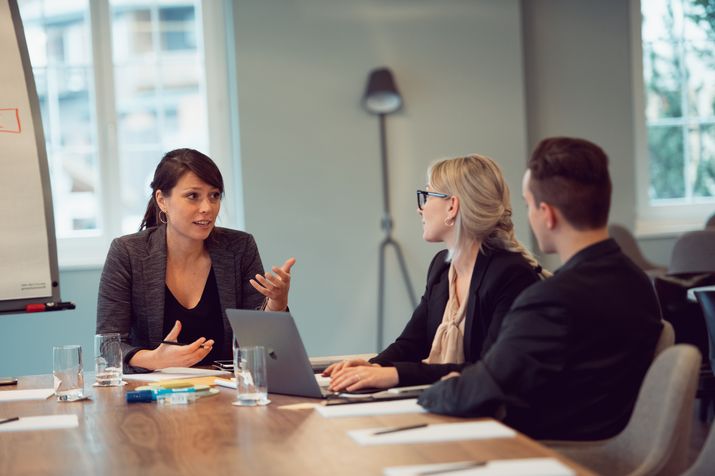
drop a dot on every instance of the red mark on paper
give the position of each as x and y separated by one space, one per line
10 120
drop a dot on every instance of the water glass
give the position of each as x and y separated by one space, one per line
67 372
108 360
249 367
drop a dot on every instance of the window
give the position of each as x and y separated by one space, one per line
120 82
58 39
677 177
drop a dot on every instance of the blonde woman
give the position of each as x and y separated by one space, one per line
470 285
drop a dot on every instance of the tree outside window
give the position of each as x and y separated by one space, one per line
679 74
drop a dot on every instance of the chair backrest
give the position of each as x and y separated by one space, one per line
666 339
656 439
705 464
711 222
707 304
629 246
694 253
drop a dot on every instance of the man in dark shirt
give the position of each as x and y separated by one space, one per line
573 350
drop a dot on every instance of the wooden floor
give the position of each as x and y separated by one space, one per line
699 434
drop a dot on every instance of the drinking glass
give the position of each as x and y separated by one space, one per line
249 367
108 360
67 372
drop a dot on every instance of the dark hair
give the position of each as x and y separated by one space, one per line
170 169
572 175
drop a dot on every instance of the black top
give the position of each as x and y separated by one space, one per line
132 289
204 320
571 354
497 279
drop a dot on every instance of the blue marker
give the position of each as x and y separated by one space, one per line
155 394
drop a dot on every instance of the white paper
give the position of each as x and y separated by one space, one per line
228 383
472 430
391 407
33 394
173 373
322 381
45 422
514 467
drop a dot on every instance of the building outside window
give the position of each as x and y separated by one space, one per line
120 82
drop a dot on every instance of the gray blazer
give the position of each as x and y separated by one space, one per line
131 290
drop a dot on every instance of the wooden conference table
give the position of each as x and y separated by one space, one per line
211 436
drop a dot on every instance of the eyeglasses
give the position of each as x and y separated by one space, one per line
422 197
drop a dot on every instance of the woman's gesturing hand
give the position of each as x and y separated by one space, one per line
275 286
167 355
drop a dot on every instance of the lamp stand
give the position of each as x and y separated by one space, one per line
386 242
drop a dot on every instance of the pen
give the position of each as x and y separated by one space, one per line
8 420
337 399
168 342
455 467
400 428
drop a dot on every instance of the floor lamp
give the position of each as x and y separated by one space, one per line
382 98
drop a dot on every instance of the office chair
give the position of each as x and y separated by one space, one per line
705 463
693 253
656 439
706 299
629 246
711 222
692 264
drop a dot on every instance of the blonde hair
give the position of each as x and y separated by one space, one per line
484 203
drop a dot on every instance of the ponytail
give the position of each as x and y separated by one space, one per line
151 215
503 237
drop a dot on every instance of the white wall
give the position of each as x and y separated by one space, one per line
310 154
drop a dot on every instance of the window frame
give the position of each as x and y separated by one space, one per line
668 217
216 17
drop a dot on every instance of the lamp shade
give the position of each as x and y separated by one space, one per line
381 94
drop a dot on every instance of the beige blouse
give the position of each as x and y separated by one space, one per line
448 343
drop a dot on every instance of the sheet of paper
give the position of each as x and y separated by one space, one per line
471 430
45 422
224 382
173 373
32 394
513 467
322 381
372 408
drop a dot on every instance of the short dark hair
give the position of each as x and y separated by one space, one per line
171 168
572 175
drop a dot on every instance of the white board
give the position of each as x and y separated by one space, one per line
28 252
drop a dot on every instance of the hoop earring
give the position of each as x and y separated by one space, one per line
449 221
166 217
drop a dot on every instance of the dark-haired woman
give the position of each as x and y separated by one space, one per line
174 279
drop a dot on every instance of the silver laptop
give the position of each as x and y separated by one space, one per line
289 370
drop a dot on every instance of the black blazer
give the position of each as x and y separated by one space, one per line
498 278
571 354
131 290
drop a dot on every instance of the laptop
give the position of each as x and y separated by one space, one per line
287 364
